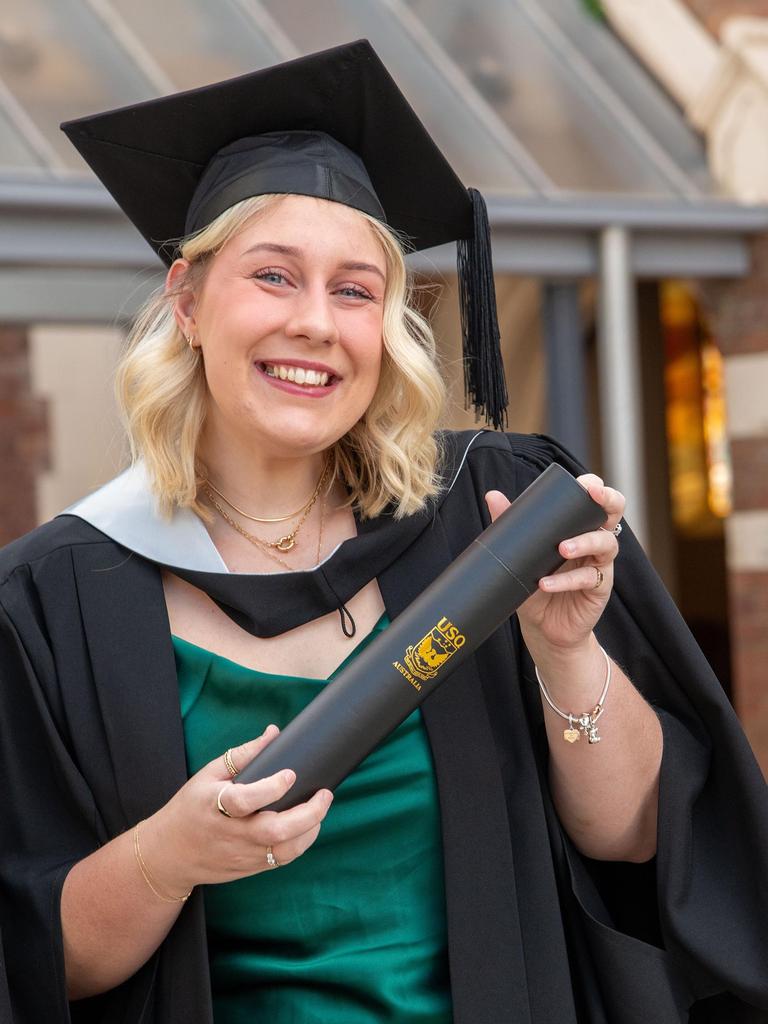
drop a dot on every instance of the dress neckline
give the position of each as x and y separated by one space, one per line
180 643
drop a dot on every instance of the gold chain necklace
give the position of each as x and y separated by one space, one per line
264 545
277 519
283 544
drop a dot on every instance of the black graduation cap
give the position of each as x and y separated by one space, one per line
332 124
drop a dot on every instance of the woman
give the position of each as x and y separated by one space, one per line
283 379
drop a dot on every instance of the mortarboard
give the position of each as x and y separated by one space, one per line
332 124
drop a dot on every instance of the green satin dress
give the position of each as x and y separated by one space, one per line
354 931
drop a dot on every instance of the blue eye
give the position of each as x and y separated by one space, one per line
349 291
270 276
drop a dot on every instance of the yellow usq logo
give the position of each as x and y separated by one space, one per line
425 658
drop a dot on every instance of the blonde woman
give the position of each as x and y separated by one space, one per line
289 495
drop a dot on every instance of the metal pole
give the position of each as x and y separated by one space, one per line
619 376
566 376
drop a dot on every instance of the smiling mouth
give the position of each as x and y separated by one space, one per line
299 375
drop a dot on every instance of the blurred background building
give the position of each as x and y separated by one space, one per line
623 150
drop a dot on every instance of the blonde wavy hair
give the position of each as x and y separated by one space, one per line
390 456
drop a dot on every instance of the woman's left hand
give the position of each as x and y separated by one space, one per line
569 603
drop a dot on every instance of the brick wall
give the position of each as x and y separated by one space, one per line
748 599
739 314
740 317
23 436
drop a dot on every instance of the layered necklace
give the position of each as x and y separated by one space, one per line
288 541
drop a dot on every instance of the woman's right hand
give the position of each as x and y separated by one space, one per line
189 842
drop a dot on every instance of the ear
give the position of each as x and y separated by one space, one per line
185 300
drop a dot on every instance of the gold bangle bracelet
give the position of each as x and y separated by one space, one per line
146 875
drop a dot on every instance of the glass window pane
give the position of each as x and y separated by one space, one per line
468 143
630 80
14 152
195 41
60 61
556 107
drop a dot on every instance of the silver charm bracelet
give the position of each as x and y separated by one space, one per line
586 722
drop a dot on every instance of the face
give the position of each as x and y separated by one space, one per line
289 319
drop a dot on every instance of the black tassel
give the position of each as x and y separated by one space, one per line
484 383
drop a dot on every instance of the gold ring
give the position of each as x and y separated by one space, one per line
272 860
223 810
230 763
600 577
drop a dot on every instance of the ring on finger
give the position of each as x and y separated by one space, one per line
272 860
599 577
615 531
230 763
222 809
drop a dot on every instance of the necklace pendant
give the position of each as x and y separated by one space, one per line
286 543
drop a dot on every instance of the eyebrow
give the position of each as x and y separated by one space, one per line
290 250
353 265
283 250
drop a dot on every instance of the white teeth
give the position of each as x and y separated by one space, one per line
298 375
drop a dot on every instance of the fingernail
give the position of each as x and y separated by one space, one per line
289 776
270 726
569 546
546 582
328 797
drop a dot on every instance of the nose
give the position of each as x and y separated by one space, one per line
312 316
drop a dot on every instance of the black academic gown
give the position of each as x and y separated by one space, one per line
91 741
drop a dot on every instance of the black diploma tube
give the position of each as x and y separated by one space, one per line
431 638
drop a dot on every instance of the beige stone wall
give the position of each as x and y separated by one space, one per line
712 13
71 371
